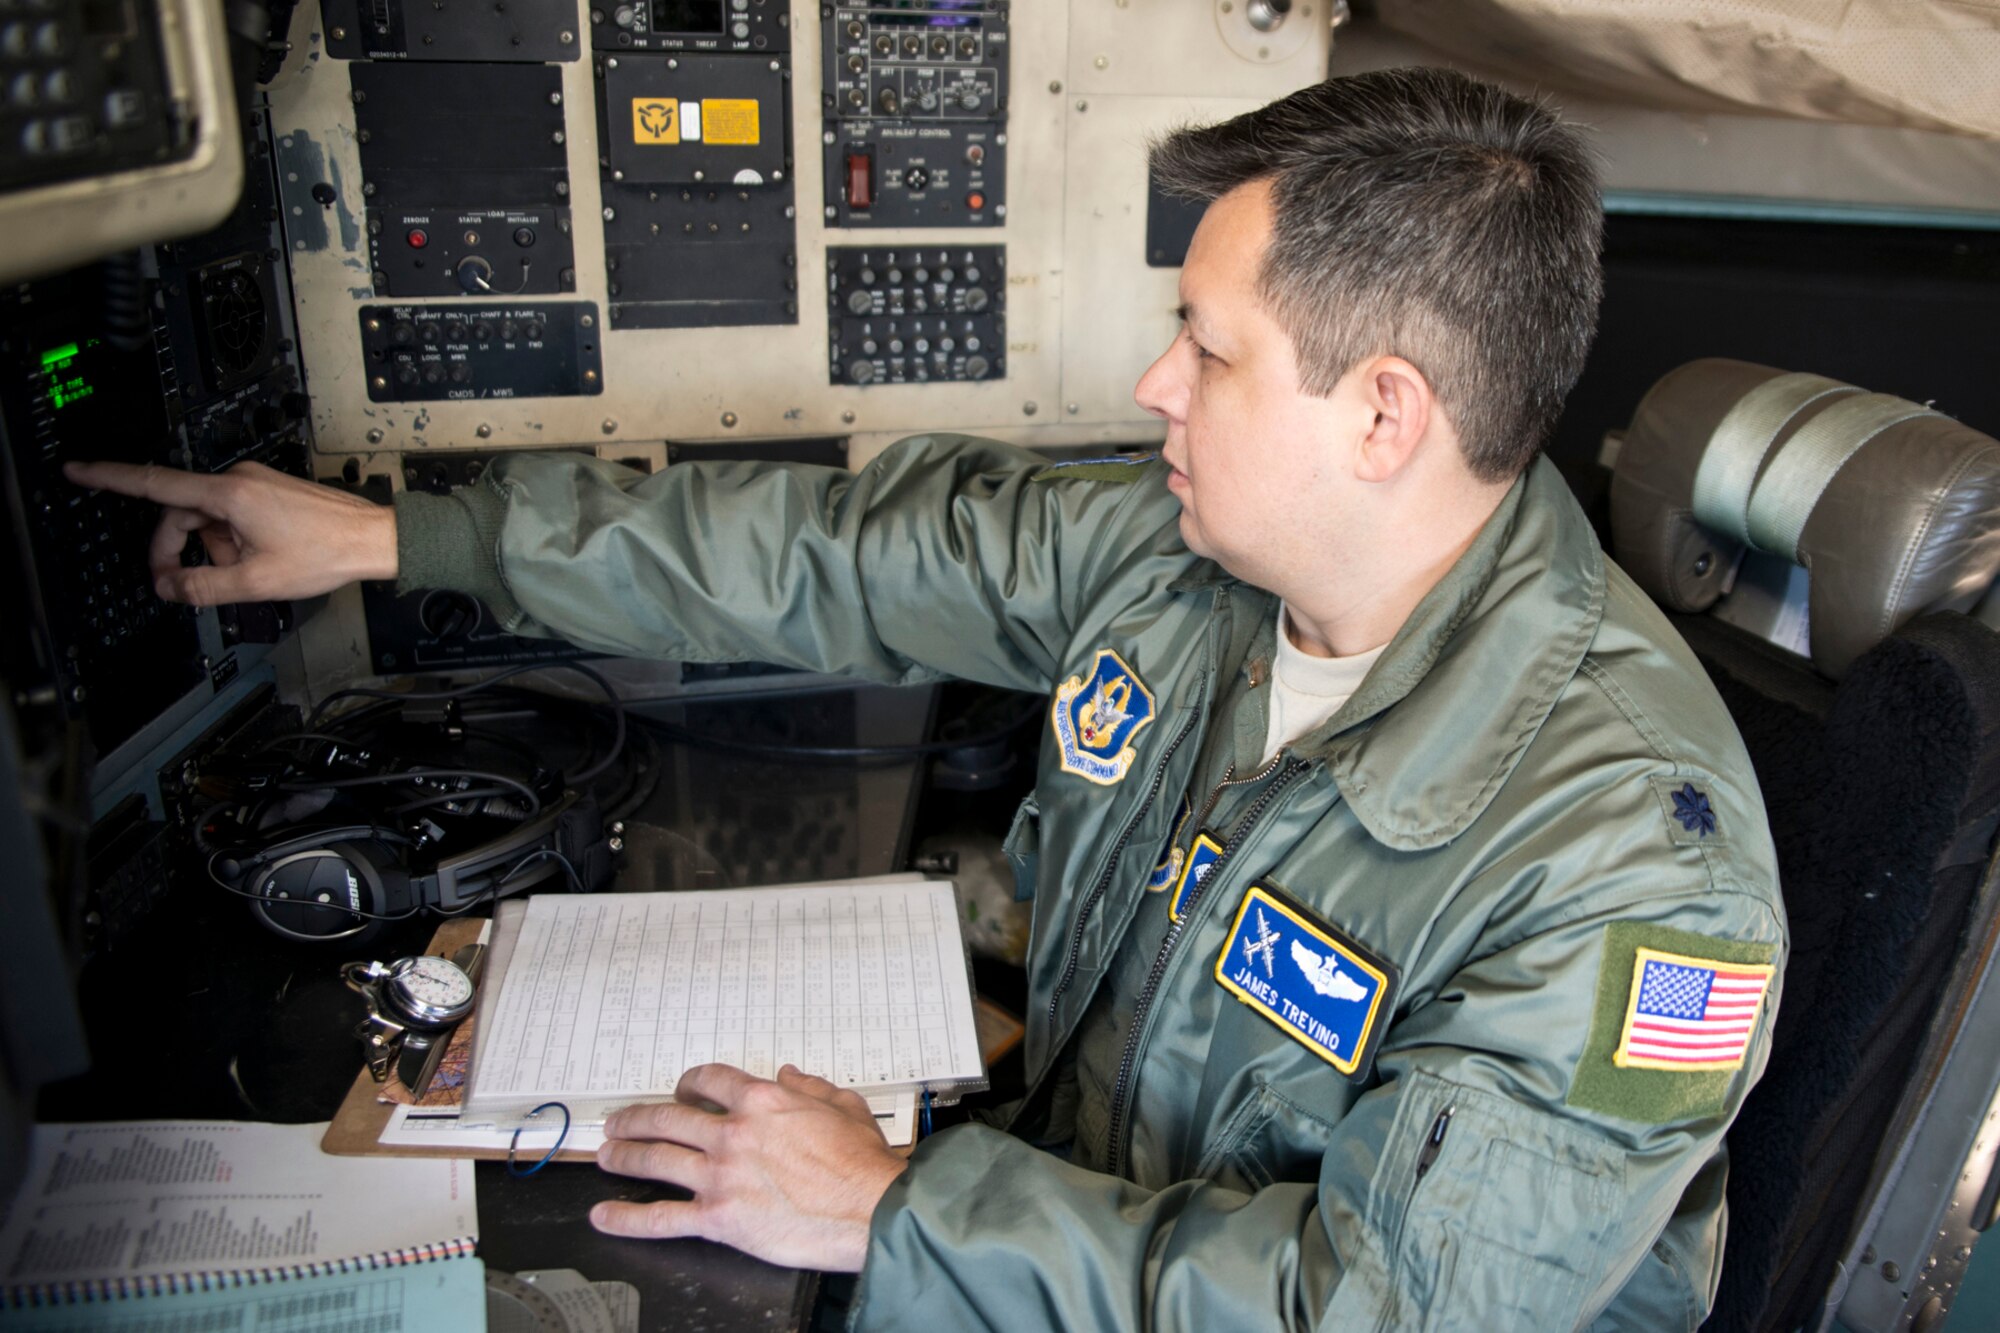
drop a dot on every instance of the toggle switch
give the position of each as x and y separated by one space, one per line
860 181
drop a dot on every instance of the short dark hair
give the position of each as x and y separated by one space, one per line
1423 214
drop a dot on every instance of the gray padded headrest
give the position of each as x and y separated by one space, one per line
1892 508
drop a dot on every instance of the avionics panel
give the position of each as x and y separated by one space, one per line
471 352
699 227
513 30
916 102
466 177
711 288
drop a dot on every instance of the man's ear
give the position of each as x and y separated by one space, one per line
1402 402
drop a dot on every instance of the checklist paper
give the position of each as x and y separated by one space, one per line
606 999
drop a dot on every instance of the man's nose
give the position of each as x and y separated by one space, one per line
1162 390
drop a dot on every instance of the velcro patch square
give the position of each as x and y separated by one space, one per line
1665 979
1324 990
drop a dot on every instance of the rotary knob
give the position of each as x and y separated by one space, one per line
475 275
448 615
976 299
861 372
976 367
859 302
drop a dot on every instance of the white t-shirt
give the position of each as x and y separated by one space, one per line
1307 690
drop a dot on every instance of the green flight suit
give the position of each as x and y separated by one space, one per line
1534 782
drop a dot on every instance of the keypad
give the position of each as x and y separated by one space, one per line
82 91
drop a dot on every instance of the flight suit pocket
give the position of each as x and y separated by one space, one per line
1023 847
1509 1216
1269 1139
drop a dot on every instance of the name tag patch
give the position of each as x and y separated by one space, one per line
1322 988
1095 718
1201 859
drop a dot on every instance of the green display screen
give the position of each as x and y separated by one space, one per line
68 381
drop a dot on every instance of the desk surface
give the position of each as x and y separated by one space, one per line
210 1016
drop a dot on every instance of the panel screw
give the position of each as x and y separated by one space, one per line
1082 105
1102 62
610 214
340 35
1891 1270
1702 564
483 431
618 175
588 321
557 137
567 38
374 326
608 426
729 420
378 383
375 435
1029 409
615 844
1055 85
555 99
1070 408
848 416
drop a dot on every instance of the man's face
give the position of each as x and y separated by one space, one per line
1256 463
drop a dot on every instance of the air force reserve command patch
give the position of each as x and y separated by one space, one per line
1323 989
1095 718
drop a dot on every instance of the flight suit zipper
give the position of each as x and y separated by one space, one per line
1111 867
1114 1138
1428 1155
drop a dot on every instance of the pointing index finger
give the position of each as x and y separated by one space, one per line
162 485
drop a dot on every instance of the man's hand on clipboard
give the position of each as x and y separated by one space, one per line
789 1171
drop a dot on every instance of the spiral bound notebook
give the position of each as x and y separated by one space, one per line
152 1208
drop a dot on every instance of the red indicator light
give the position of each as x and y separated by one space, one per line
418 238
975 201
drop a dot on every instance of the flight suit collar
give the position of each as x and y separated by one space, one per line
1450 707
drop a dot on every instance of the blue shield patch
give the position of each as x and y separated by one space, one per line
1169 867
1095 718
1201 859
1323 989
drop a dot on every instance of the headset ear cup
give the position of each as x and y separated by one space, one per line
326 894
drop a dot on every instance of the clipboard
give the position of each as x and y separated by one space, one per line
356 1128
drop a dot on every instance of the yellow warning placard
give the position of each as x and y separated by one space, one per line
729 120
656 120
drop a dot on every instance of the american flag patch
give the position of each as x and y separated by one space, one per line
1690 1013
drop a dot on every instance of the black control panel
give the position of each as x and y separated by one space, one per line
690 25
545 349
916 315
915 101
466 176
491 252
83 91
700 228
526 30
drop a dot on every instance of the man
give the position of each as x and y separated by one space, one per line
1406 927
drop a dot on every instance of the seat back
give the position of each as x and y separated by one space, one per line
1879 759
